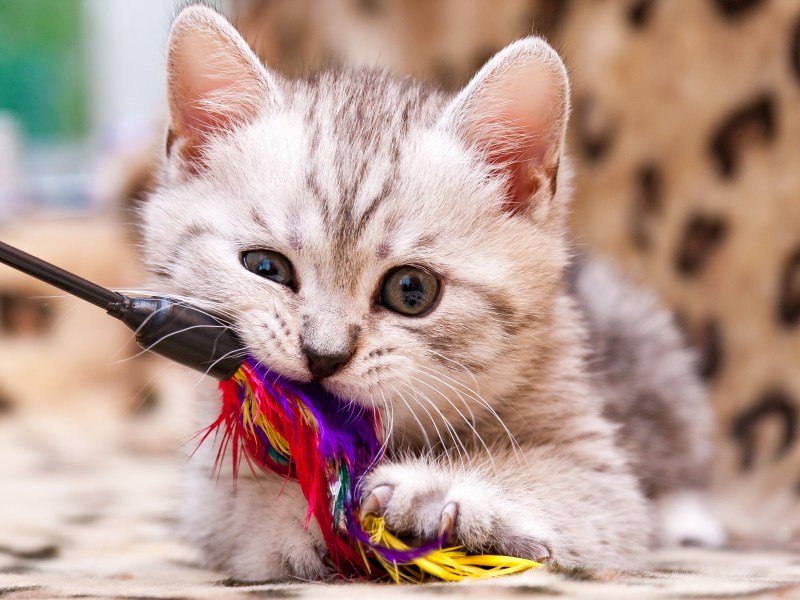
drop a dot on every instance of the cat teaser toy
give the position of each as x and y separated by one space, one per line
297 430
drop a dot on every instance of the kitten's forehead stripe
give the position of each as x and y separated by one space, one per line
423 242
373 206
355 134
315 192
259 219
384 249
295 235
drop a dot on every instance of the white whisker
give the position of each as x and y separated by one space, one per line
470 424
474 395
458 444
414 415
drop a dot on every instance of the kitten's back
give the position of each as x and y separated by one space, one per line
652 392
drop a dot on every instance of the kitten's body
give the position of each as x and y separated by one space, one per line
502 402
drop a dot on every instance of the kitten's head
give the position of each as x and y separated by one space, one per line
402 247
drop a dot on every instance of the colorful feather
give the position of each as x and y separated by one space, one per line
328 445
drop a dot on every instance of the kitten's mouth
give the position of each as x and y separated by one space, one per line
347 392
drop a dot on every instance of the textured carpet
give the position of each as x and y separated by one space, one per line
88 510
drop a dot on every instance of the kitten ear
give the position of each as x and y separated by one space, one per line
215 81
515 110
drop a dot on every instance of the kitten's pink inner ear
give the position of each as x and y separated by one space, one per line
216 83
515 110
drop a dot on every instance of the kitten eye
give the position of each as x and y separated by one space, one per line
269 265
409 291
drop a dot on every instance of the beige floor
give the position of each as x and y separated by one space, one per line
87 510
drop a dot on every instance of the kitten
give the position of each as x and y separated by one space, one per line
408 250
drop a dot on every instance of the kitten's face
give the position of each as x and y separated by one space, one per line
350 178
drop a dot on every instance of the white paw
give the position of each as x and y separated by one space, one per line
419 501
686 519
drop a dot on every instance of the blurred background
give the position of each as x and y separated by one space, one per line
685 137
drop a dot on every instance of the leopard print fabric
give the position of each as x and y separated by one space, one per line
688 126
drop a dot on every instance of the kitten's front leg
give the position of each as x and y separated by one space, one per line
465 505
254 530
543 505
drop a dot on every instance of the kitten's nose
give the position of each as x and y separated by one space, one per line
324 365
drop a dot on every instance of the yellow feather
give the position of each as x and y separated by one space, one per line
447 564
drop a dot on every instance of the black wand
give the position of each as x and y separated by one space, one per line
175 330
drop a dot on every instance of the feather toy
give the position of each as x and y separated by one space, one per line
304 433
294 429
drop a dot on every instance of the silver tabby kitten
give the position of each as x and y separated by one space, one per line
408 250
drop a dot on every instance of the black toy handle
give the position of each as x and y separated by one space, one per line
182 333
175 330
58 277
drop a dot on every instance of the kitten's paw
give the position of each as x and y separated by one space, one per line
431 506
378 500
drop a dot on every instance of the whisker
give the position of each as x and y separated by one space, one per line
414 415
164 337
470 424
448 426
233 353
203 305
474 395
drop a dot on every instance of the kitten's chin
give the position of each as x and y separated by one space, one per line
351 393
